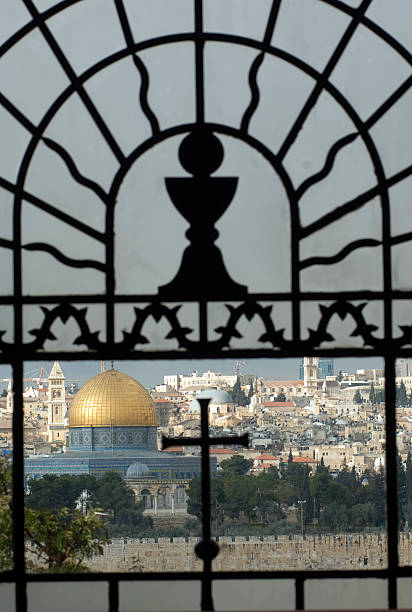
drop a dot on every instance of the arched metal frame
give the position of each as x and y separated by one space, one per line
344 303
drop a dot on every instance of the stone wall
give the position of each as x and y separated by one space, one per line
252 553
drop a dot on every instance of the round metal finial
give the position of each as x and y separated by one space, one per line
201 152
207 549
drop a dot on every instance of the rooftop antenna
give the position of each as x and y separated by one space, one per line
112 364
102 367
238 364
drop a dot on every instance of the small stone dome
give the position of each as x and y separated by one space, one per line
137 470
217 396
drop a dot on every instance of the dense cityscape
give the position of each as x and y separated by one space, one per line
314 467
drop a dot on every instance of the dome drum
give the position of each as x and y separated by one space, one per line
112 438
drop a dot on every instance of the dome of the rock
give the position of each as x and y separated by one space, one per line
112 398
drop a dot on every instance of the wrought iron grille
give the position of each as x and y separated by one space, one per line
115 118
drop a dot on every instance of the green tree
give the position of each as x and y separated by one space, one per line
402 493
321 467
352 484
6 527
401 395
251 393
53 492
273 472
54 541
336 516
60 542
408 477
357 398
380 396
240 496
320 486
238 395
217 498
375 493
285 493
281 397
235 466
372 396
267 500
363 515
130 521
408 489
111 493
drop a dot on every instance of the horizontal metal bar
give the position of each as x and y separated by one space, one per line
144 298
401 572
109 353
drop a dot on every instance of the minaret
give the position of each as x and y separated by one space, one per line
56 399
324 390
310 373
9 397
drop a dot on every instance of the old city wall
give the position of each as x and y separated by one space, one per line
252 553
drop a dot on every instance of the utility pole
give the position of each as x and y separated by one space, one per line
301 502
238 365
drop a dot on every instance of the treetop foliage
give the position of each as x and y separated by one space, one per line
357 398
238 395
321 501
109 493
235 466
55 541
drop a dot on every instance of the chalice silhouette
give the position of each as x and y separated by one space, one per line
202 200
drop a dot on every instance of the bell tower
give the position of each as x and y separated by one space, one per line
310 374
56 399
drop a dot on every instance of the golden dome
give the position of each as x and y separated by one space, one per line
112 398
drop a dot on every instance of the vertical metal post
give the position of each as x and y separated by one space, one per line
206 549
391 478
206 598
18 487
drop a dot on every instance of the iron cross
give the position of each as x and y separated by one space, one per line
207 549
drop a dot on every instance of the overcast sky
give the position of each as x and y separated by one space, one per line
32 78
150 373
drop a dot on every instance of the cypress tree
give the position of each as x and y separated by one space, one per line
401 395
321 467
250 394
372 396
408 477
238 394
402 494
357 398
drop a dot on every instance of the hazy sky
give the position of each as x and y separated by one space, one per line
150 373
